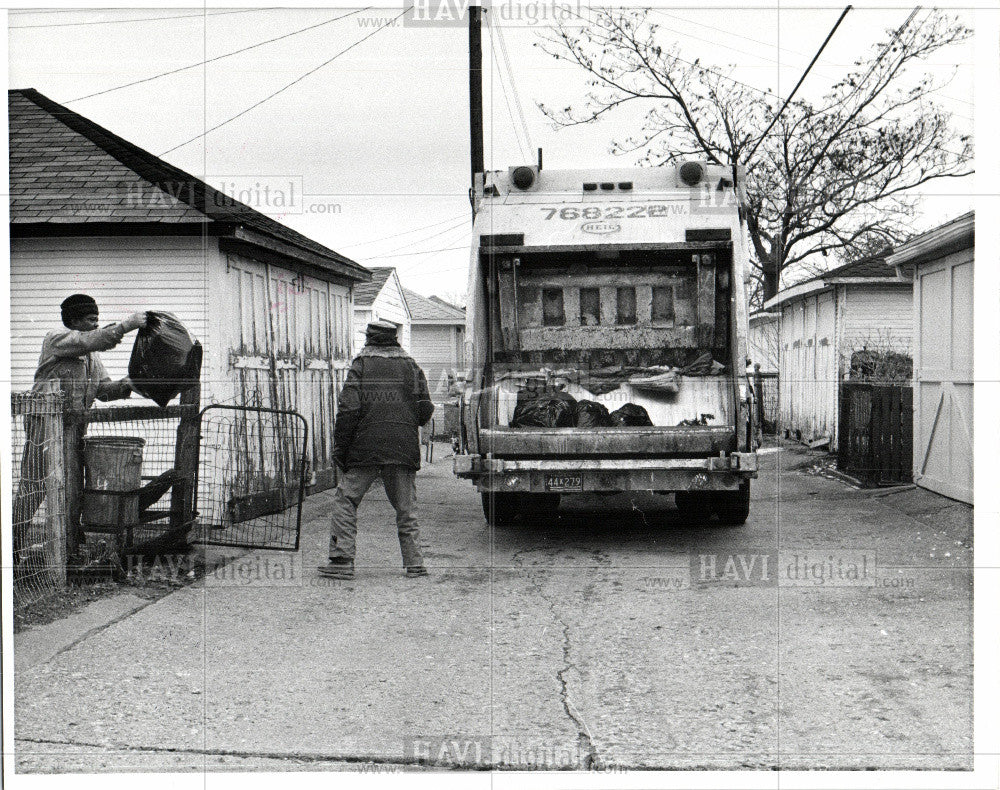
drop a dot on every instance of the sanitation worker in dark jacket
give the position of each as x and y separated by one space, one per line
377 434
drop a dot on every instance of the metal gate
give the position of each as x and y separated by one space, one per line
251 477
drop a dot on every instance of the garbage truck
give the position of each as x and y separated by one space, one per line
607 334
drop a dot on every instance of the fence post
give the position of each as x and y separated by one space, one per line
182 497
73 422
55 489
906 432
758 387
844 426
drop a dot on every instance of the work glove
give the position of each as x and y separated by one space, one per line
134 321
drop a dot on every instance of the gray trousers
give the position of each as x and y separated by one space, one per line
400 487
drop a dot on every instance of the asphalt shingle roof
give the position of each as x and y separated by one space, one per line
366 293
874 266
66 169
423 308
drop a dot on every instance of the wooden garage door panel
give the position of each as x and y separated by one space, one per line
944 391
961 318
960 417
935 340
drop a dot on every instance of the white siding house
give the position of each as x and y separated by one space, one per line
941 264
381 299
271 307
437 339
823 321
762 341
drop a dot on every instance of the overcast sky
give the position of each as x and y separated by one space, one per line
378 139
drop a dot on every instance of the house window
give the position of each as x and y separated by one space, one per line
590 306
552 307
626 306
663 305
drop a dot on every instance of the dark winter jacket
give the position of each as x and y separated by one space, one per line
383 402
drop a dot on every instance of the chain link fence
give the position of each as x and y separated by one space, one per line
39 486
163 500
72 520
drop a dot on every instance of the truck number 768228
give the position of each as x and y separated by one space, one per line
614 212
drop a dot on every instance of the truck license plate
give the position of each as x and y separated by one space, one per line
564 482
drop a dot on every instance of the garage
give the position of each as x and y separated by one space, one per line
941 265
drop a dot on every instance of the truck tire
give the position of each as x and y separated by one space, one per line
536 507
694 506
733 507
501 509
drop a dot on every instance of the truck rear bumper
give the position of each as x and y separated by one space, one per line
716 473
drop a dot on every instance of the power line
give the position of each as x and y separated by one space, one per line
286 87
462 216
503 87
662 13
459 235
755 89
895 38
423 252
658 12
218 57
461 223
799 83
142 19
513 86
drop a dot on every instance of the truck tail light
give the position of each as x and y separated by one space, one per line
692 173
523 177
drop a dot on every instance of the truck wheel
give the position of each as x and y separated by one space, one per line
733 507
694 506
539 506
501 509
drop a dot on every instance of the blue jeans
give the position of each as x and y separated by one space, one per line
400 487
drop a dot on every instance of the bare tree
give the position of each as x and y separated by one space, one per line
830 177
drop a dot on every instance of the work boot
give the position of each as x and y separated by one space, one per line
416 570
337 569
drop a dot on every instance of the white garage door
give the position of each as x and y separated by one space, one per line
942 402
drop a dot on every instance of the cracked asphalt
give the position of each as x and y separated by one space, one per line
615 636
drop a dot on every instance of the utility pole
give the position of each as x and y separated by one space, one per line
476 91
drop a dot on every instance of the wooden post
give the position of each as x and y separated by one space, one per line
55 475
906 416
73 429
758 388
844 427
183 496
476 91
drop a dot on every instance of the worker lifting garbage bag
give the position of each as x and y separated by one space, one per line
166 359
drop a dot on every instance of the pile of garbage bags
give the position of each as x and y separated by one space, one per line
555 409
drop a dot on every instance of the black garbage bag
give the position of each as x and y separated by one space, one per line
166 359
544 410
591 414
631 415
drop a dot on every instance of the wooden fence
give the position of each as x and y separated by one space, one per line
766 390
876 432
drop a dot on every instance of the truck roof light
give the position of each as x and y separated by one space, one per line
523 177
691 173
607 186
589 187
625 185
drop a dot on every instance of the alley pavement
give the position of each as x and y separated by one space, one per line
833 630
